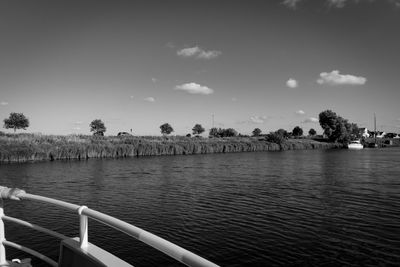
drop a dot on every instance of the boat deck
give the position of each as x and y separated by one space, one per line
78 251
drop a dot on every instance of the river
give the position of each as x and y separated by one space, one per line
289 208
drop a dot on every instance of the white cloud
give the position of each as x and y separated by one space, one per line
300 112
396 3
150 99
311 120
291 83
337 3
291 3
335 78
194 88
3 103
188 52
254 120
132 97
154 80
234 99
78 122
77 128
258 119
209 54
198 52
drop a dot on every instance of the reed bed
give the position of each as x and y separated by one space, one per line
33 147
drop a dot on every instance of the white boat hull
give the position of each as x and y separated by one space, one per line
355 146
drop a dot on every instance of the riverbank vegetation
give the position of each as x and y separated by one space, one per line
34 147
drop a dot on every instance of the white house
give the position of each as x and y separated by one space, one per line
380 134
363 132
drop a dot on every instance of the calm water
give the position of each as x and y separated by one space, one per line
292 208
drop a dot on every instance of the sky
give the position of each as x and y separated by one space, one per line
228 63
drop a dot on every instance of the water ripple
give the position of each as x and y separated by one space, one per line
292 208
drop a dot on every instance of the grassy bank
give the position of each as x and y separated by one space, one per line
29 147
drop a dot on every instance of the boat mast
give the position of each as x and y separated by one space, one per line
375 127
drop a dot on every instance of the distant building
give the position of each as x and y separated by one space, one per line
363 132
371 134
377 134
390 135
380 134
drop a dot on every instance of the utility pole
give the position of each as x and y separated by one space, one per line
212 120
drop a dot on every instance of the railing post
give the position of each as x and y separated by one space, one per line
3 259
83 228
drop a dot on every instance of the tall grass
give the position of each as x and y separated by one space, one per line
31 147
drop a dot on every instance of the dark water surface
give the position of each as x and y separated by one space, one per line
292 208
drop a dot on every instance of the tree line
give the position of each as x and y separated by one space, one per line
20 121
335 128
296 132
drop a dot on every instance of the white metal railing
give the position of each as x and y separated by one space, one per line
182 255
32 252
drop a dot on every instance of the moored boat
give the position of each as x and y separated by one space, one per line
356 144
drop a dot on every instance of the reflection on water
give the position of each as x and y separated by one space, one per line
292 208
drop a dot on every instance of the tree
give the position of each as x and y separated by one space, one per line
276 137
328 122
283 133
336 128
230 132
166 129
256 132
16 121
198 129
213 132
312 132
97 127
342 131
297 131
355 131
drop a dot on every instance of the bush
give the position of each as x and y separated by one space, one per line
275 137
230 132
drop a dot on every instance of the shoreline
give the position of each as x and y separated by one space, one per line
21 148
32 148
